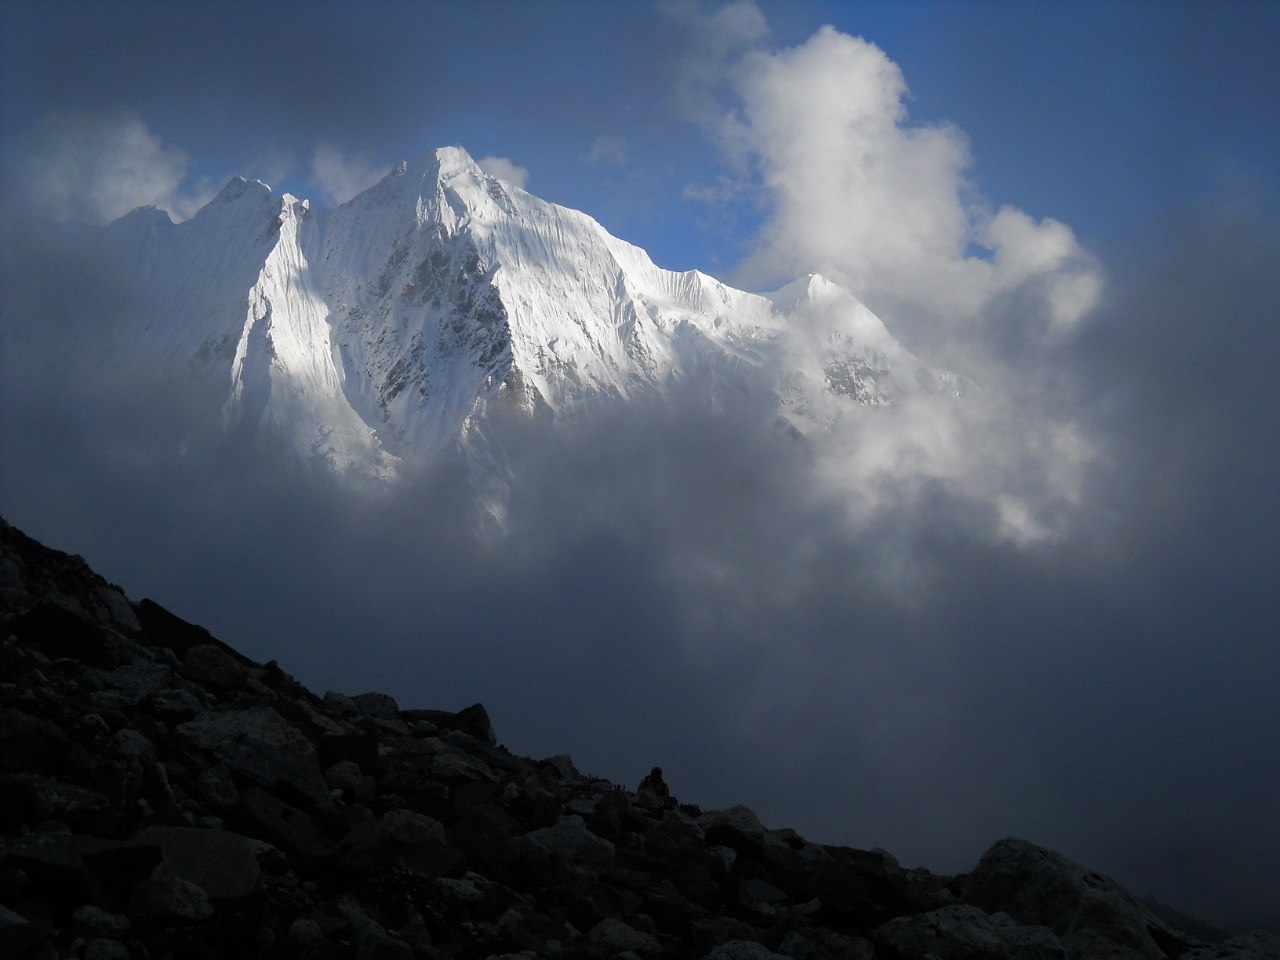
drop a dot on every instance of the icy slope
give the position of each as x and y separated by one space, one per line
388 329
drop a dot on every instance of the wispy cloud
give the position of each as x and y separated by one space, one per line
504 169
928 678
609 150
341 176
272 167
97 166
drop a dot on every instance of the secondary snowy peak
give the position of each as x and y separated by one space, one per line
391 327
835 333
283 373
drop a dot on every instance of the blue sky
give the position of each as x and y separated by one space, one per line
1080 203
1105 116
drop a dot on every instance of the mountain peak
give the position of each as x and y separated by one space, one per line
391 326
238 187
454 160
449 168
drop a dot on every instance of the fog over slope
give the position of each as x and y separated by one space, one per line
1047 612
874 663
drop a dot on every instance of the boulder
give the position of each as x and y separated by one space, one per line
1091 914
963 932
304 931
413 829
209 664
259 814
371 942
80 807
69 869
260 745
28 743
220 862
742 950
18 933
177 704
101 948
376 704
61 632
739 817
611 936
160 628
170 898
1251 945
343 775
132 684
574 845
89 920
217 788
474 720
456 767
820 943
358 748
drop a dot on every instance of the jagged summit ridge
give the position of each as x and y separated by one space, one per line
386 330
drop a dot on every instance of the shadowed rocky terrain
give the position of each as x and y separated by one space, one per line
161 795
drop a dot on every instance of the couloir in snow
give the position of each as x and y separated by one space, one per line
391 328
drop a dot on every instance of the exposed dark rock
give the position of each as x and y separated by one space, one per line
410 828
377 705
261 746
57 632
474 720
19 934
259 814
163 796
160 628
742 950
1093 915
211 665
1254 945
90 921
219 862
101 948
358 748
963 932
170 898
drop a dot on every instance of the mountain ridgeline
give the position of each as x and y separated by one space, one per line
391 329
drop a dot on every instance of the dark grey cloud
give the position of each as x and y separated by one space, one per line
233 82
314 67
682 589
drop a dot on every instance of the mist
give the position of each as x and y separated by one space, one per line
852 638
1046 610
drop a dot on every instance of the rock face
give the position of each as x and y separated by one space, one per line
161 796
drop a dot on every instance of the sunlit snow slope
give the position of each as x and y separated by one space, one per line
387 330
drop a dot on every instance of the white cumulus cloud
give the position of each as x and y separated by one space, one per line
857 192
95 167
504 169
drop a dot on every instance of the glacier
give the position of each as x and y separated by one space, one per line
392 329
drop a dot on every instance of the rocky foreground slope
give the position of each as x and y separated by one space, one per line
163 796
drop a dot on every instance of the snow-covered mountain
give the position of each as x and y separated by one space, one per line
389 329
